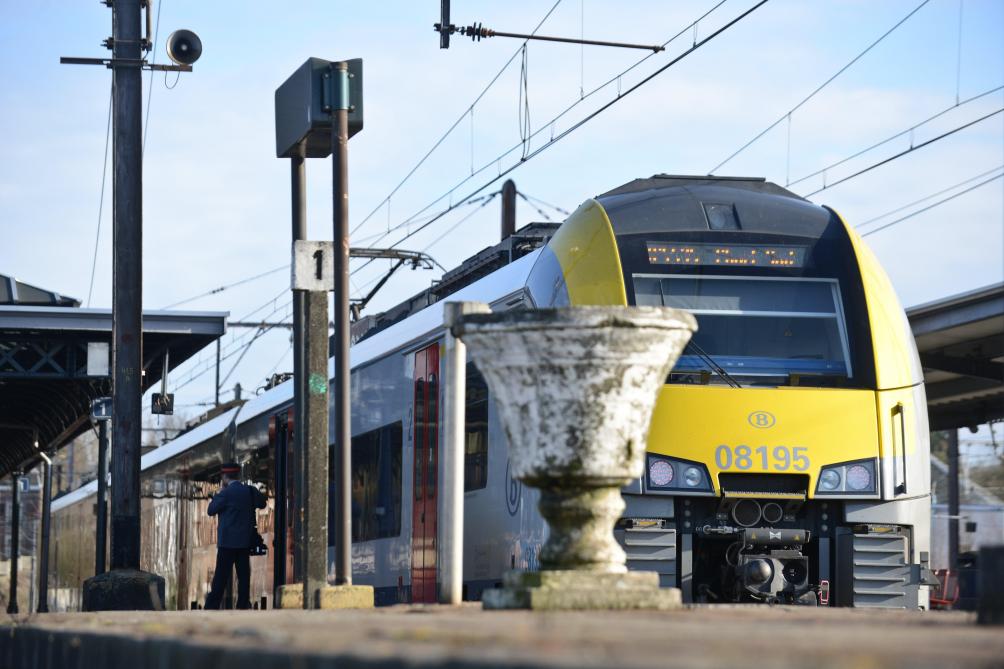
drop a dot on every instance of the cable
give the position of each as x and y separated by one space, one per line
101 199
153 59
539 210
818 89
577 125
460 118
558 209
924 199
523 104
932 206
214 291
903 153
896 136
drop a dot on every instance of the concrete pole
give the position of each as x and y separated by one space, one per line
953 499
15 537
454 423
343 428
101 533
315 462
43 550
127 281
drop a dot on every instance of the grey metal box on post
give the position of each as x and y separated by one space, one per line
303 106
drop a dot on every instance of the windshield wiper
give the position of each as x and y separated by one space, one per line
714 366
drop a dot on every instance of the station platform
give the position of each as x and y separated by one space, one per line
466 636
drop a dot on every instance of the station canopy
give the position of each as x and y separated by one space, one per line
961 344
55 358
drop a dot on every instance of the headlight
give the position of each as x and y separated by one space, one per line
660 473
859 478
847 478
669 475
829 480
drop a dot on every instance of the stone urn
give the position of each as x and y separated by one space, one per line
575 388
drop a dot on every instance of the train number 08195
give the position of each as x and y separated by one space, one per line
778 458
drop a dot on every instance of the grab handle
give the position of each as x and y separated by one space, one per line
900 488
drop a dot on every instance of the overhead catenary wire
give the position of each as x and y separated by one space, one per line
237 340
484 202
932 206
904 153
550 124
621 95
462 220
819 88
928 197
468 109
908 131
381 235
233 350
228 286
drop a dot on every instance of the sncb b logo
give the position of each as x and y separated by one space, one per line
761 419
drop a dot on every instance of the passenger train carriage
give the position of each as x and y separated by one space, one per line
788 452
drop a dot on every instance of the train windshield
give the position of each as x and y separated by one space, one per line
757 326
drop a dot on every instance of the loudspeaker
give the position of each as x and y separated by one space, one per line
184 47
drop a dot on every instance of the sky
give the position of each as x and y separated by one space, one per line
216 198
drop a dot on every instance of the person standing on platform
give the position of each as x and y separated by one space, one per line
235 505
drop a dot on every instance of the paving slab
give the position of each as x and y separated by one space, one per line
466 636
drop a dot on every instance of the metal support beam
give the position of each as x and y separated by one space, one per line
15 538
508 209
279 518
454 415
127 292
343 430
980 368
216 399
953 499
315 441
43 549
101 512
298 189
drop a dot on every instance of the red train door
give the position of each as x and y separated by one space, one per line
426 442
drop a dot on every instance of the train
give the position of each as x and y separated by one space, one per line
788 454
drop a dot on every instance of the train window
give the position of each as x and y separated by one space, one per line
420 439
754 326
433 435
475 431
546 281
376 483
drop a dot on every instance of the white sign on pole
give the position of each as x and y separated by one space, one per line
313 265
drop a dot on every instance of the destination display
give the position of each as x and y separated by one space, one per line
668 253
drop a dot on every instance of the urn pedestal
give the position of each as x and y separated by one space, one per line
575 388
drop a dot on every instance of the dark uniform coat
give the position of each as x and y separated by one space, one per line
235 504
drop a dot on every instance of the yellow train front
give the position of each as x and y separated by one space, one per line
788 457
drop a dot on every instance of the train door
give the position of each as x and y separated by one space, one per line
426 431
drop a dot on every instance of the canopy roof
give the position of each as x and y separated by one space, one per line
54 360
961 344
